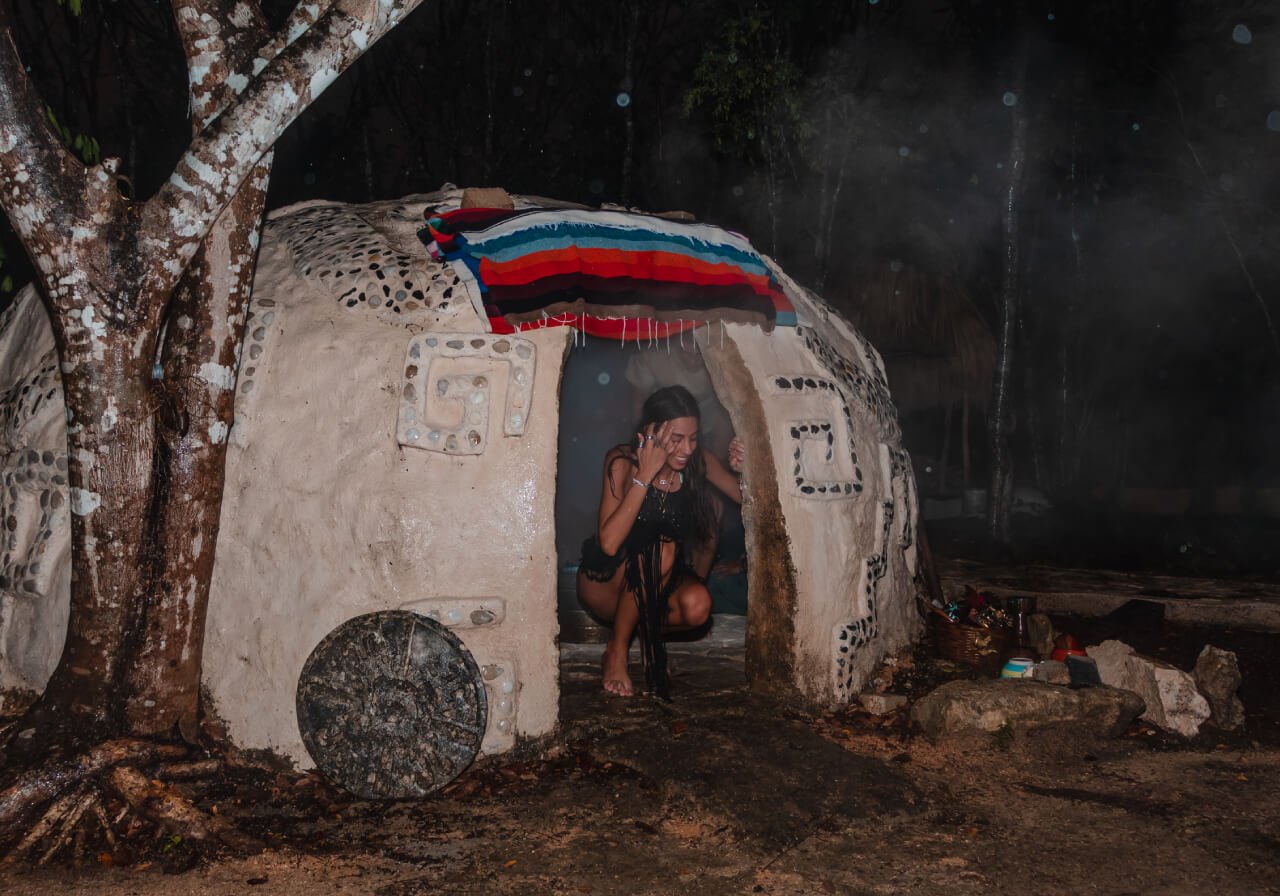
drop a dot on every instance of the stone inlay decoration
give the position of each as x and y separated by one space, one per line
264 319
858 633
361 265
868 389
905 477
391 705
33 500
813 473
447 395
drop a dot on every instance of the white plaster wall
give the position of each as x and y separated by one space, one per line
832 539
35 554
325 517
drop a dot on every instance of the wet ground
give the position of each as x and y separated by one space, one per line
726 792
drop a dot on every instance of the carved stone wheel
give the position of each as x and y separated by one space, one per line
391 705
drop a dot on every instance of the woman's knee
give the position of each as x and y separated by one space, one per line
694 601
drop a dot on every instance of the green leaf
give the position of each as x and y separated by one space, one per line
6 285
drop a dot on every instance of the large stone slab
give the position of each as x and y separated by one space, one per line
1173 702
1024 705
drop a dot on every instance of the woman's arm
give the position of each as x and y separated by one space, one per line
626 480
723 479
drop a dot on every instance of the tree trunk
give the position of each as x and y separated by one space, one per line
111 440
1000 421
146 452
206 327
946 445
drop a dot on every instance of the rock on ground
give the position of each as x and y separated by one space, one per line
1217 676
879 704
1023 705
1052 672
1173 703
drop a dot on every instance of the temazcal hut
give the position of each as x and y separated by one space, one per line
386 574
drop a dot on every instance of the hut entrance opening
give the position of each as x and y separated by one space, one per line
604 385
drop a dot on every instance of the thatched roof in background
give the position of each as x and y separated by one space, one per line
936 344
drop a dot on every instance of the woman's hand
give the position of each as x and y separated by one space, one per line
737 453
653 447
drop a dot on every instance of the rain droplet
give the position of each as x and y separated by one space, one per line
596 187
895 265
1136 126
517 91
603 378
999 164
1052 17
1241 34
873 2
1273 120
924 129
1226 183
623 99
904 151
738 190
1010 98
528 73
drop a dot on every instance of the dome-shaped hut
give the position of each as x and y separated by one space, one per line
394 451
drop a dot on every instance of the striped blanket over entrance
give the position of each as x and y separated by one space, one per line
613 274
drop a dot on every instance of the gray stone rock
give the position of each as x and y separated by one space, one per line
879 704
988 705
1052 672
1217 675
1173 703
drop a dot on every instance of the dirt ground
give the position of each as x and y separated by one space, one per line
726 792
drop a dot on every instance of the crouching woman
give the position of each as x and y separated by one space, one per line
645 568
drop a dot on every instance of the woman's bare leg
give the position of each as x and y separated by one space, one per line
689 606
617 652
613 603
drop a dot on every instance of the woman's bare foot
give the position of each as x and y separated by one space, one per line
616 679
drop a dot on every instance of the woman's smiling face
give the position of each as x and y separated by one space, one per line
682 434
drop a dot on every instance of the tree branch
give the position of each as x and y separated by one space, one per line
40 180
177 218
219 38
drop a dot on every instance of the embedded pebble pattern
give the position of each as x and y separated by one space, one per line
808 483
426 386
357 263
33 484
263 321
869 389
858 633
903 474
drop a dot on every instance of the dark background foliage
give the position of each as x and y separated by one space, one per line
845 138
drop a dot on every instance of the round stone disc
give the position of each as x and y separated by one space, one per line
391 705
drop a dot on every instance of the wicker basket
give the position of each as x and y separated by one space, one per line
982 648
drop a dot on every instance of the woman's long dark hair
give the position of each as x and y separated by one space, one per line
668 404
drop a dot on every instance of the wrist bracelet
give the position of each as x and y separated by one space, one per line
643 485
